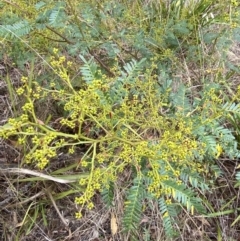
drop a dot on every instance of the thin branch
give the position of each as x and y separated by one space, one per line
48 190
60 35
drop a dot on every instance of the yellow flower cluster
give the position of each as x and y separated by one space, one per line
235 3
93 184
128 125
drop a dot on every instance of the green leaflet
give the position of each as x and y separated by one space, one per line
108 194
18 29
168 213
184 195
88 70
133 207
180 100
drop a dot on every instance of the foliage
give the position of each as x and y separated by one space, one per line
133 209
110 66
102 29
128 125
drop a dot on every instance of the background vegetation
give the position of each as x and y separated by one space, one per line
125 112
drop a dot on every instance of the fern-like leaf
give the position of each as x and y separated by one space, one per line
56 16
88 70
133 208
18 29
184 195
180 100
108 194
168 212
39 5
194 179
223 133
232 107
132 69
211 144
